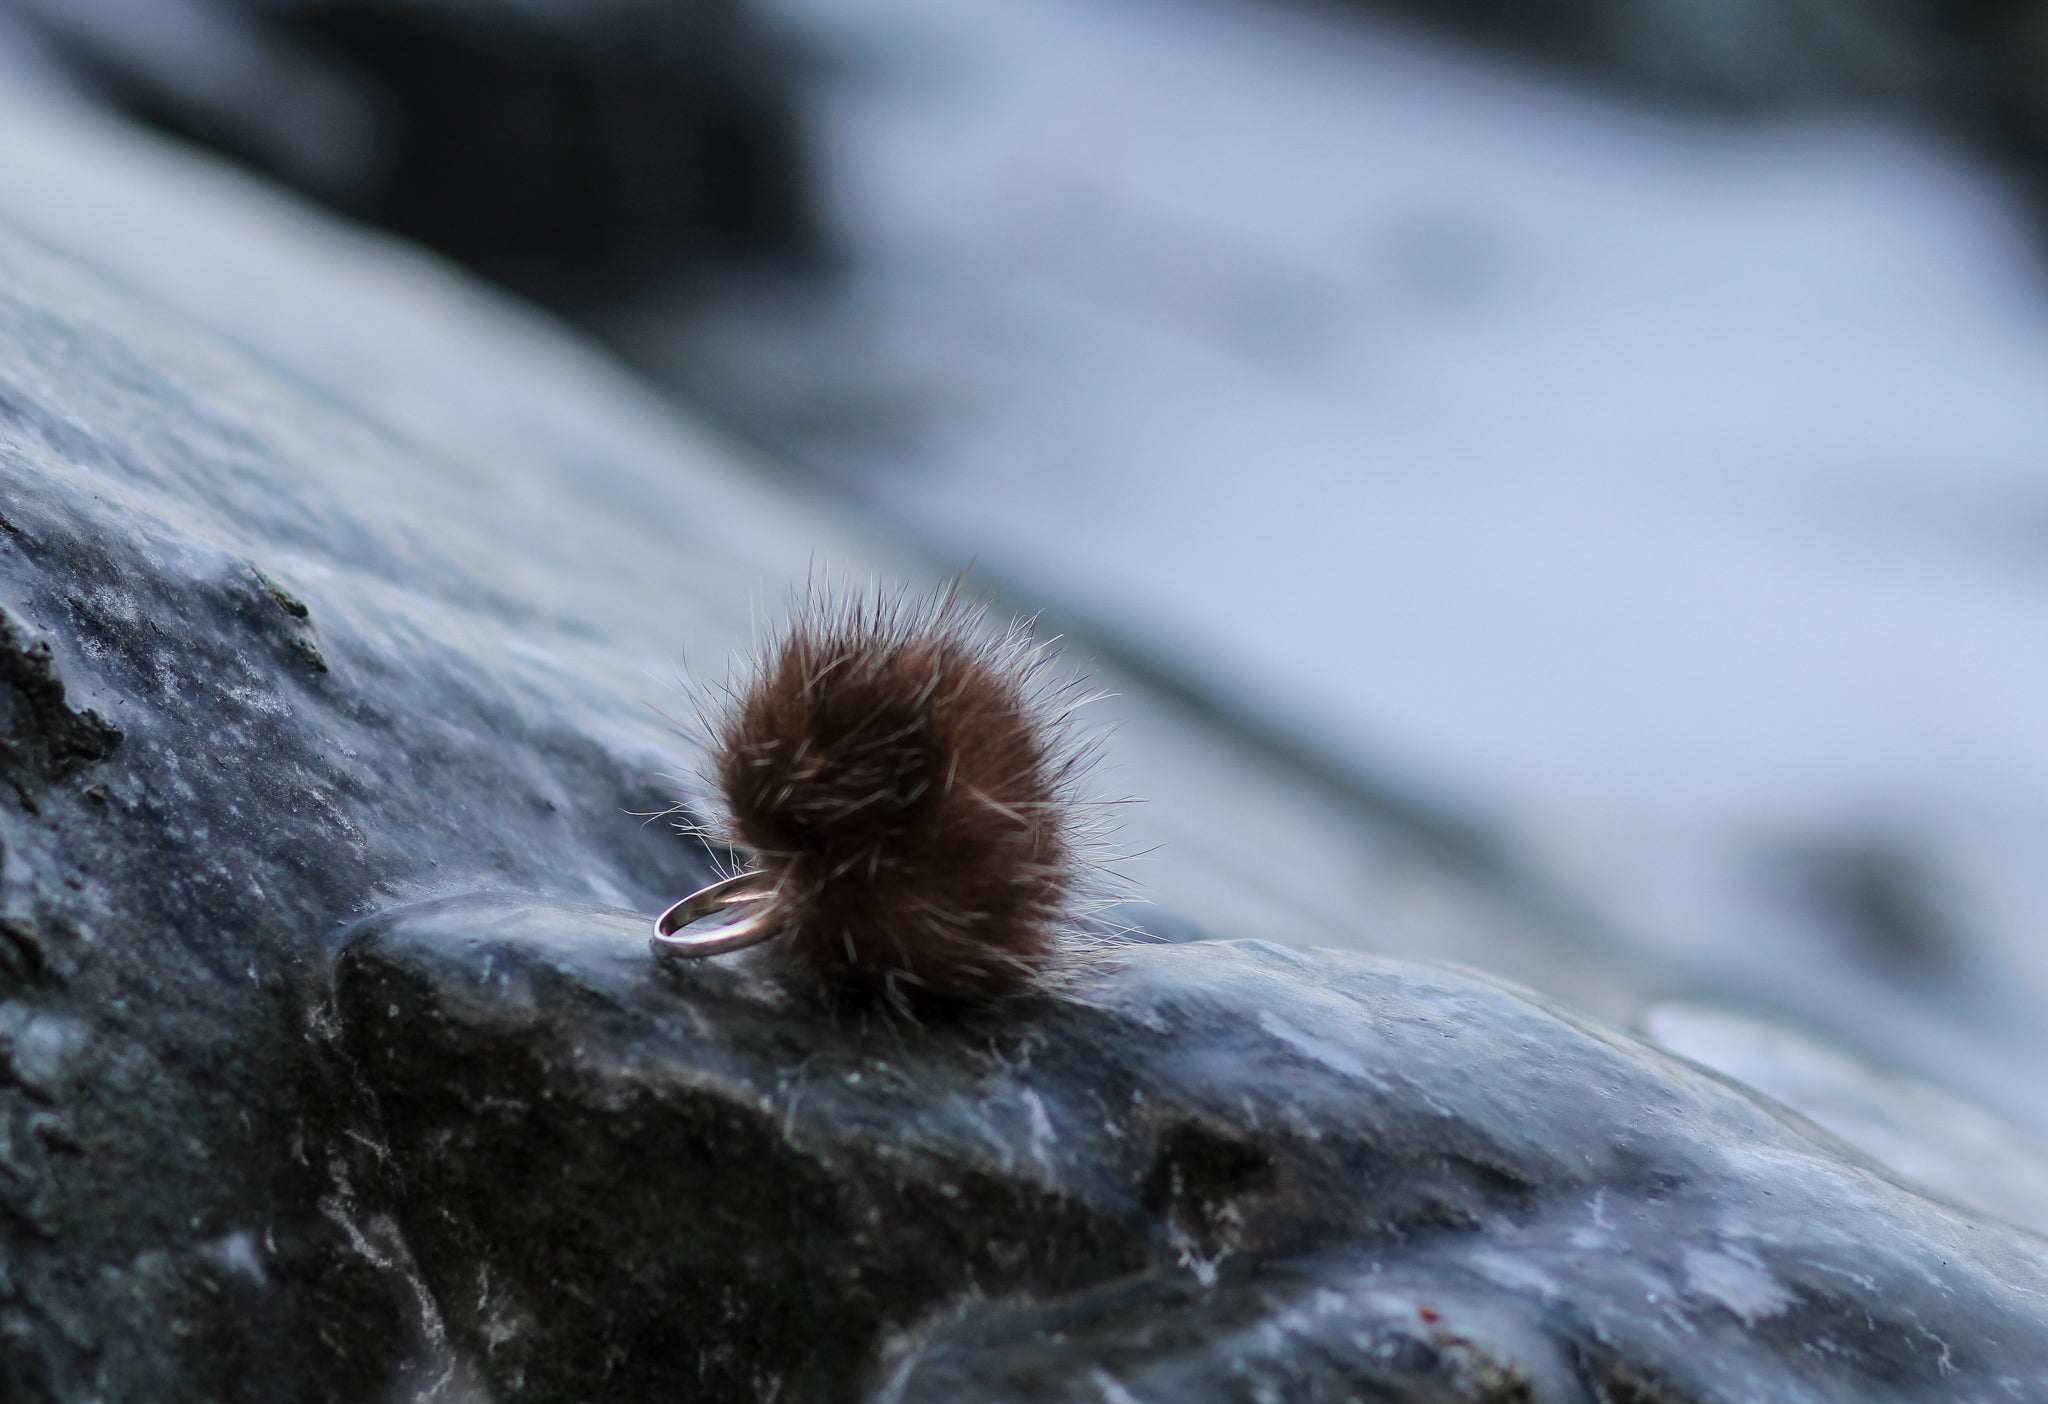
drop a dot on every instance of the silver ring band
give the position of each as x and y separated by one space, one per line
756 926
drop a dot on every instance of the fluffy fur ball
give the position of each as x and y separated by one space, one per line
909 784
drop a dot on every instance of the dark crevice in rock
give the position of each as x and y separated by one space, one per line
1199 1184
281 616
1615 1383
44 739
1480 1374
23 962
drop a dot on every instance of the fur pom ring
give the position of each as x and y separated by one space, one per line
906 784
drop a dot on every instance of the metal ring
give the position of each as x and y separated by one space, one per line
756 926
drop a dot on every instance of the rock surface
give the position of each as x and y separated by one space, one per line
1934 1139
335 1067
204 777
1199 1172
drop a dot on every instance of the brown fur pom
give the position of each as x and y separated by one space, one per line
909 785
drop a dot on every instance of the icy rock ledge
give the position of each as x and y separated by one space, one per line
1224 1171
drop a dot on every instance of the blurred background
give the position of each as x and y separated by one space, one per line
1595 449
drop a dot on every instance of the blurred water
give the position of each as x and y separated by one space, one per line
1669 493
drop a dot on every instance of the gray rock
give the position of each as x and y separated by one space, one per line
333 1065
199 786
1195 1172
1930 1137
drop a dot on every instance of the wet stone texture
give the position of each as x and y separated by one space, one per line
207 773
1218 1171
334 1066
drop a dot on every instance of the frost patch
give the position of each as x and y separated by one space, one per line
1741 1286
1321 1050
236 1252
1516 1273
